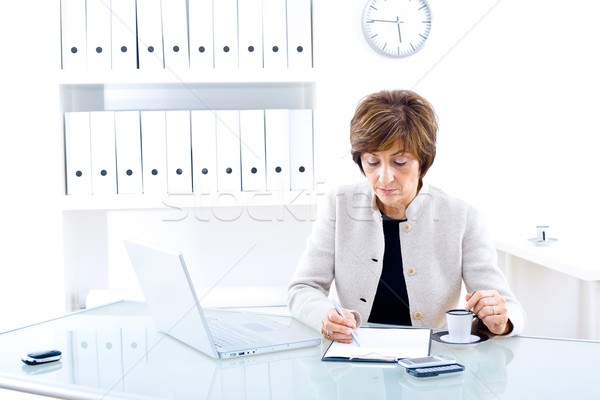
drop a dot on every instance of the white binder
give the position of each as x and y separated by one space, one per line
104 161
301 150
250 34
124 36
73 34
277 149
98 35
252 143
201 34
84 353
154 154
129 152
175 35
299 31
150 40
274 34
225 30
228 151
179 151
110 358
78 153
204 151
135 356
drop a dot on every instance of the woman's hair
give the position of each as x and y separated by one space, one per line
385 118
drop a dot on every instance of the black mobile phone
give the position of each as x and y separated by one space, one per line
429 372
41 357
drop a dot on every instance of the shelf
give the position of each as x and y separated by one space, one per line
212 76
163 95
190 201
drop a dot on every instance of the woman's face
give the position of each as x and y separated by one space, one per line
394 178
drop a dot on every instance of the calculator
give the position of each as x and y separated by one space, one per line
428 372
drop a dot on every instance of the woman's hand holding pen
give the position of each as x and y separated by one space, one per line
337 328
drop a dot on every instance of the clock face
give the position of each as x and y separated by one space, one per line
396 28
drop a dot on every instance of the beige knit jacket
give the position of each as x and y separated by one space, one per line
444 242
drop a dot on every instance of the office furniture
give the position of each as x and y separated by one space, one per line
576 275
164 83
114 352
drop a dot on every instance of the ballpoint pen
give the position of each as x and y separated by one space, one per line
341 312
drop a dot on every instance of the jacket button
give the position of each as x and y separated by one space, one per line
411 271
418 315
406 227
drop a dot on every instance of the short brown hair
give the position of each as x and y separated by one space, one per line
384 118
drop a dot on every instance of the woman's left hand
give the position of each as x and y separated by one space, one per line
491 309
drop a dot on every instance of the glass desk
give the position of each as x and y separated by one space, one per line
114 352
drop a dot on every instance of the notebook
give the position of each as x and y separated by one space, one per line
176 310
388 344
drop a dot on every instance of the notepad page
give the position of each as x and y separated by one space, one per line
384 343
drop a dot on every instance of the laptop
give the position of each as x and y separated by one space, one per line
176 310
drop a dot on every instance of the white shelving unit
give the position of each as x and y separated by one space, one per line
89 221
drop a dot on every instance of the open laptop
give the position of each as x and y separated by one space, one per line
176 310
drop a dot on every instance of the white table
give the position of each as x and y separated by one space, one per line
567 256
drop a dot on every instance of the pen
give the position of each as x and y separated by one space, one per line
341 312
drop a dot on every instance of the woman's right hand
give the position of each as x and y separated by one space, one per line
336 328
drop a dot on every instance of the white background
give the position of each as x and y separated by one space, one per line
514 84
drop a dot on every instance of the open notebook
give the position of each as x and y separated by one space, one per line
382 345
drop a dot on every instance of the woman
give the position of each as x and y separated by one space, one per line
397 248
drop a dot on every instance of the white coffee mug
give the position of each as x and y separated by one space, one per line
459 325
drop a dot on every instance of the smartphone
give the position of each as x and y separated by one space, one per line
429 361
42 357
430 372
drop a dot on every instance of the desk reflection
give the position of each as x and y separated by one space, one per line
144 361
485 377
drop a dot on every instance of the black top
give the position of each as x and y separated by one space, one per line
391 299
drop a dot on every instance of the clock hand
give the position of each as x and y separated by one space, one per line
382 20
398 24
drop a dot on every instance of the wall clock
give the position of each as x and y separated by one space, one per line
396 28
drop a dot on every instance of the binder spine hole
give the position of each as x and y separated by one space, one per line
98 49
201 49
278 169
254 170
129 172
299 49
229 170
73 50
204 171
176 49
179 171
250 49
103 172
123 49
154 172
78 174
301 169
275 49
150 49
226 49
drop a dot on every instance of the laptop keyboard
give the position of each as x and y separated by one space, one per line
224 335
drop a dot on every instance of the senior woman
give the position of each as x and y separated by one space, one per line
397 248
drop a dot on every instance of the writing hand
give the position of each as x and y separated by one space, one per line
338 328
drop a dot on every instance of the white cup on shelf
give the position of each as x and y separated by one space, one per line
542 233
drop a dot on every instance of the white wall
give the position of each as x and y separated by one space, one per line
514 84
31 274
